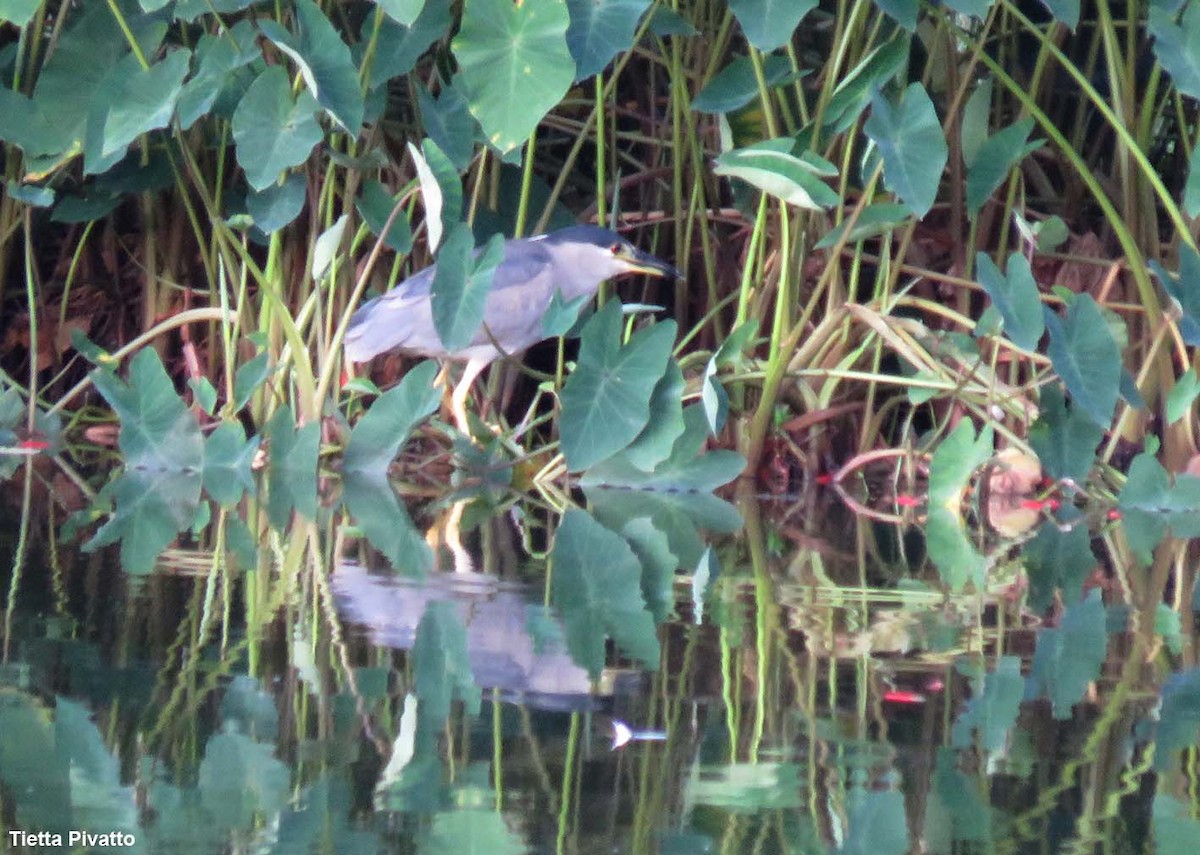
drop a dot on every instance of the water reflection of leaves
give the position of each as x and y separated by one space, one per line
1069 656
149 509
384 520
597 587
442 666
292 478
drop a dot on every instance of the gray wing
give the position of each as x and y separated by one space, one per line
521 291
403 317
400 318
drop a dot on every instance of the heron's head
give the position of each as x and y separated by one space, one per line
596 254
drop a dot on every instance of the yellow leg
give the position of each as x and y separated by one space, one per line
458 400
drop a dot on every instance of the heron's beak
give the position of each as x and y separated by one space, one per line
644 262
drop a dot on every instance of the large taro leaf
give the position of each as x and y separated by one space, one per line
769 24
324 62
150 508
651 546
99 801
1015 295
228 456
56 767
597 588
1069 656
975 121
977 8
872 220
190 10
402 11
515 65
240 779
1182 396
277 205
273 132
666 22
22 124
320 816
218 57
292 479
32 770
397 47
903 12
606 400
1058 559
1174 827
736 85
996 157
469 830
375 206
461 285
993 711
653 445
131 101
157 431
875 820
385 522
1179 720
680 516
1149 502
74 73
1086 356
449 123
956 558
773 168
957 809
1177 47
1185 291
441 664
1064 440
385 427
1147 486
688 467
854 91
19 12
914 150
954 461
440 188
599 31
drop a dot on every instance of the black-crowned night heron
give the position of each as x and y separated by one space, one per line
573 261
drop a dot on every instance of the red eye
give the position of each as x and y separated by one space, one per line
615 249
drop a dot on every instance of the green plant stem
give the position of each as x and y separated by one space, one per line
191 316
31 298
1137 264
749 268
526 184
128 34
328 369
1147 170
764 93
777 369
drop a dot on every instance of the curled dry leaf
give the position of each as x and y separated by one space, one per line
1015 473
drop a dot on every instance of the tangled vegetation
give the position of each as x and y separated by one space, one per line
891 217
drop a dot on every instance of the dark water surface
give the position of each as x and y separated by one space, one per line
646 674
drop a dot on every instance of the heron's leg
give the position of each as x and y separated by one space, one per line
458 401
